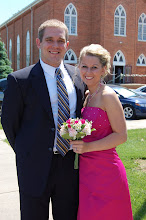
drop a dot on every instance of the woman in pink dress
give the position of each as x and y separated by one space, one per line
103 187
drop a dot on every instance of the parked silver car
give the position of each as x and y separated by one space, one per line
141 90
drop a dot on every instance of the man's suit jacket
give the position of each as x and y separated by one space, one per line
27 120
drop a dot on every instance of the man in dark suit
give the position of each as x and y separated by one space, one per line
29 119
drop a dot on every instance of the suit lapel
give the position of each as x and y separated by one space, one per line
39 85
79 88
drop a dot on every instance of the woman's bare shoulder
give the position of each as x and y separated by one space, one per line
109 96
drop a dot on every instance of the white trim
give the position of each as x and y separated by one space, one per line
143 17
18 52
69 54
118 55
70 7
10 50
120 17
141 57
28 48
118 62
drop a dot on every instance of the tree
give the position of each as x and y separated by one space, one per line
5 64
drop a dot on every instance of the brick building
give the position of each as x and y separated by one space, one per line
119 26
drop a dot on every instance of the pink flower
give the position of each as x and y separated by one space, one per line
68 121
83 121
72 133
76 122
69 126
62 131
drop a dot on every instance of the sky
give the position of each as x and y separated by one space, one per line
9 7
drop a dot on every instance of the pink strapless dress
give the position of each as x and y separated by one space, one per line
103 186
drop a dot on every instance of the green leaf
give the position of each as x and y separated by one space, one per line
79 135
66 136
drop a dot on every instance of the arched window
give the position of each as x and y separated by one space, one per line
119 59
70 57
27 49
10 50
141 61
142 28
18 52
120 21
70 19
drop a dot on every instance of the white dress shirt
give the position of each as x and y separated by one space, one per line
50 77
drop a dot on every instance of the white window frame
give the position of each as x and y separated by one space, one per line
142 27
27 48
10 50
141 58
69 54
118 55
68 16
18 52
120 17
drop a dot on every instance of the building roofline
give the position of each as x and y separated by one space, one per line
17 14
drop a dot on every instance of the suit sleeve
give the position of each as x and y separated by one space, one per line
12 110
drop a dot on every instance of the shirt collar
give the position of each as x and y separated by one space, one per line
50 69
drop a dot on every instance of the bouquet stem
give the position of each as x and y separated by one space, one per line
76 162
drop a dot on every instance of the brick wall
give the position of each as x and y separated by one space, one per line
95 24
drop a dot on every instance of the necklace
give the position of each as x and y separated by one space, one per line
90 97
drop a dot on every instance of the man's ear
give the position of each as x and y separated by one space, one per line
38 42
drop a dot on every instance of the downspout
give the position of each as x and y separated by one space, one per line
31 35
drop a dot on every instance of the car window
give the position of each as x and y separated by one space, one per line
125 92
143 90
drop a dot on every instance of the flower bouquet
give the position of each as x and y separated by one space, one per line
76 129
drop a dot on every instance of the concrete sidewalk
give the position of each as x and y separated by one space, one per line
9 194
136 124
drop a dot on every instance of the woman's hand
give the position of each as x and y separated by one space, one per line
79 146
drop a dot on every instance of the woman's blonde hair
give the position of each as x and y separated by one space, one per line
97 51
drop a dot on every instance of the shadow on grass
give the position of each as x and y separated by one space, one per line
141 212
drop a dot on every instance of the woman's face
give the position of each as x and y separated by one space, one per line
91 70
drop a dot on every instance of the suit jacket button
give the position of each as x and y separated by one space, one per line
50 149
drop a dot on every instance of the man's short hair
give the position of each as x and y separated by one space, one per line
52 23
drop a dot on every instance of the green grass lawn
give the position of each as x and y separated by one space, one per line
0 126
132 153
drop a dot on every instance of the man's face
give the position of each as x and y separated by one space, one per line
53 46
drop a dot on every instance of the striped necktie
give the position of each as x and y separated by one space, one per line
62 145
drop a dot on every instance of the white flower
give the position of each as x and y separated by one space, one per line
62 130
76 128
87 130
72 133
